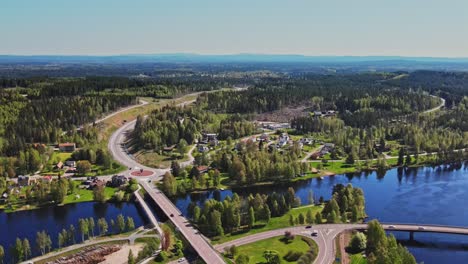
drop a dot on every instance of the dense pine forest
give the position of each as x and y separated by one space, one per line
40 110
367 108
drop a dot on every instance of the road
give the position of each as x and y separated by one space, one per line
201 245
442 104
141 103
328 232
197 241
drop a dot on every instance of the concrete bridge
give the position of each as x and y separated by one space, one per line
326 234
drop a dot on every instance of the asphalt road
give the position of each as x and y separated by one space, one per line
198 242
328 232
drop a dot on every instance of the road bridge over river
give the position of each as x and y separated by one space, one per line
328 232
201 245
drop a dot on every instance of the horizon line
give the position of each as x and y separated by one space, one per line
233 54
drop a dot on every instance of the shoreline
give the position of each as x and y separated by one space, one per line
315 175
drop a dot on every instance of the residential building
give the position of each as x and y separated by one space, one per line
67 147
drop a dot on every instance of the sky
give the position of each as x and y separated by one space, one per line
426 28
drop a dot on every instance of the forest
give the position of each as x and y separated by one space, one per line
233 214
43 111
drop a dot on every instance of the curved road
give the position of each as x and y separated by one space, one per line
328 232
197 241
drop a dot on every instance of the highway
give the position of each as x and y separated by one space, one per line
328 232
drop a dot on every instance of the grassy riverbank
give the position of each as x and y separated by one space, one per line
274 223
79 195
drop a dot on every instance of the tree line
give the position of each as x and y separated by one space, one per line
21 250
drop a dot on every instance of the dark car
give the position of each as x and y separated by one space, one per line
172 215
309 226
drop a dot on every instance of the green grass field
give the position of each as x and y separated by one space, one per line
85 195
339 167
255 250
275 223
358 259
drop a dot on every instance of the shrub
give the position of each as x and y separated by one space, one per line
292 255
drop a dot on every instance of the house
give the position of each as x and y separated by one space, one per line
306 141
318 113
202 169
23 180
283 140
210 138
67 147
59 165
118 180
47 178
70 163
276 126
202 148
329 146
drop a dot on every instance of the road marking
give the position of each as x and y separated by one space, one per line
325 246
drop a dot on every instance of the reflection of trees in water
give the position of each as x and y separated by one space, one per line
60 213
100 209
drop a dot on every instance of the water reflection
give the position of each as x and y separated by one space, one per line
413 195
25 224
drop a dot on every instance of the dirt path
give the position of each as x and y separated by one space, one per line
344 239
121 256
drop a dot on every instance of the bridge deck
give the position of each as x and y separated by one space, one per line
198 242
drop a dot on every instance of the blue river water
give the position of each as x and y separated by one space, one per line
25 224
423 196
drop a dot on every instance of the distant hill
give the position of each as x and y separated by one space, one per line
235 58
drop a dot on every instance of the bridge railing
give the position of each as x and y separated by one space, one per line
424 225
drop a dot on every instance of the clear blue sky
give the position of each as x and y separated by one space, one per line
311 27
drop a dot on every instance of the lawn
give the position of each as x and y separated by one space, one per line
358 259
155 160
255 250
85 195
275 223
339 167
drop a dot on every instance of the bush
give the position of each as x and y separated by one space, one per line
358 242
132 188
292 255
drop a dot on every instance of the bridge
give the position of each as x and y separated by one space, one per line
199 243
328 232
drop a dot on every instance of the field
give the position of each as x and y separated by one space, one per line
275 223
84 195
255 250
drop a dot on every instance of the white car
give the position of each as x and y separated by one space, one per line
391 226
421 228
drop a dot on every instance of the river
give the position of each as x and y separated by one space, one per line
424 196
25 224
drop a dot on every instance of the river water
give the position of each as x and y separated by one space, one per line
25 224
423 196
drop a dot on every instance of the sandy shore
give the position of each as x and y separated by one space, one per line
121 256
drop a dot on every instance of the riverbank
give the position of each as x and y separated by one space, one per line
322 170
18 201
